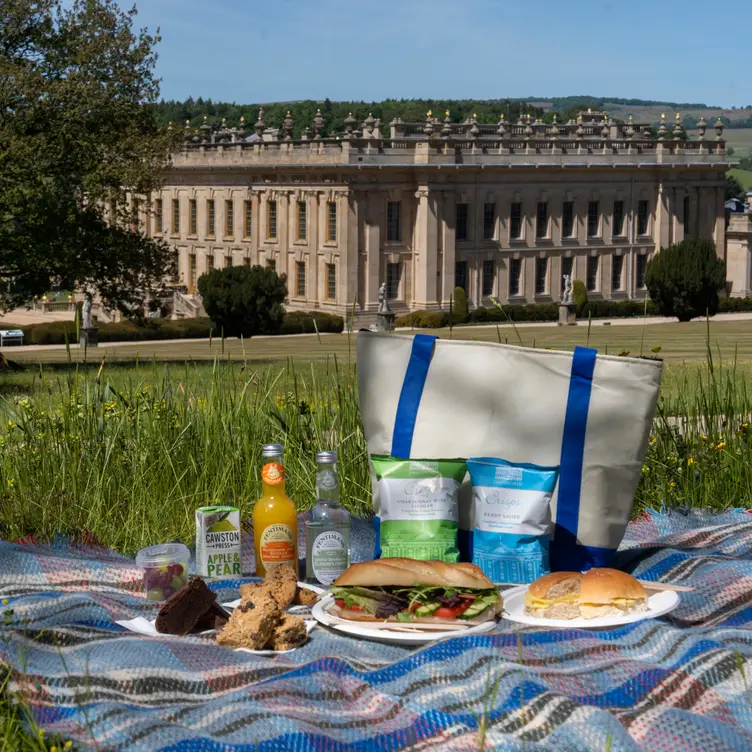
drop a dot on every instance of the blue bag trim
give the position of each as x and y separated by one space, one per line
574 557
377 539
564 547
407 408
412 391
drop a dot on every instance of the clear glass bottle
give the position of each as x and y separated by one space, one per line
327 526
275 518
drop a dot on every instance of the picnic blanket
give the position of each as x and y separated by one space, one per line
675 684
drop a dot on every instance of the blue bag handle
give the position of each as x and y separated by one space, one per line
566 552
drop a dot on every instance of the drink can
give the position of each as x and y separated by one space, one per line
218 542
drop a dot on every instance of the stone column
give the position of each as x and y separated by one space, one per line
662 218
739 255
426 250
254 252
286 262
372 233
719 229
448 232
347 215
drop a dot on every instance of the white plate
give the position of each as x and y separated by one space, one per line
320 612
148 626
514 610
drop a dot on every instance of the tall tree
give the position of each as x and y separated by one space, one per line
77 136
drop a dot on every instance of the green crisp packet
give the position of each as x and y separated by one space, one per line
417 507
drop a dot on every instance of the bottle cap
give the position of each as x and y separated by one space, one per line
272 450
326 458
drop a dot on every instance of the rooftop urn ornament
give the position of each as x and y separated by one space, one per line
368 124
502 129
260 125
187 136
287 124
554 129
446 131
630 129
605 130
678 129
223 134
528 129
701 128
318 125
241 128
305 134
580 131
718 129
350 123
205 130
428 127
474 131
662 130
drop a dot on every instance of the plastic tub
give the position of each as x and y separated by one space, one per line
165 569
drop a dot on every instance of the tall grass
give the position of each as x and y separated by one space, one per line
129 453
130 457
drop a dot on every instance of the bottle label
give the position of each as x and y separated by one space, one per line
327 480
329 556
277 545
273 474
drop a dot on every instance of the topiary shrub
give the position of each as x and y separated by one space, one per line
684 279
302 322
423 320
244 300
460 311
51 333
579 296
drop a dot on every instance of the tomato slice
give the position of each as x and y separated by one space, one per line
340 603
452 613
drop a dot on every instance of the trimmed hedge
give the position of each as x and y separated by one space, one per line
735 305
54 332
423 320
302 322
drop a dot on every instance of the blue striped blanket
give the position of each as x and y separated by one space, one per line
675 684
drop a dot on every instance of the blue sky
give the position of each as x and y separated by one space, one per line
276 50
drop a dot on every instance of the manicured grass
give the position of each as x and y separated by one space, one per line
744 177
678 343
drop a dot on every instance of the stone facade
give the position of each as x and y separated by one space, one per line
503 210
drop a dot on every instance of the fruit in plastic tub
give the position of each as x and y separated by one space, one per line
165 569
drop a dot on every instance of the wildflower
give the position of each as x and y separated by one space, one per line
5 601
690 461
672 484
68 744
623 353
720 446
11 483
53 748
656 349
652 440
41 732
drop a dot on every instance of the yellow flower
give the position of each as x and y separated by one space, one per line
41 732
652 440
11 483
690 461
53 748
720 445
5 601
68 744
672 484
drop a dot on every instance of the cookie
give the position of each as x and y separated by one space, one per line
250 589
251 624
289 633
282 584
305 597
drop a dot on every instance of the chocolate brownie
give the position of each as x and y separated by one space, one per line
289 633
214 618
251 624
305 597
182 611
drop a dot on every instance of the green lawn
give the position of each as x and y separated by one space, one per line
678 343
744 177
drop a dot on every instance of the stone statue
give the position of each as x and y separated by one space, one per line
383 302
86 322
567 299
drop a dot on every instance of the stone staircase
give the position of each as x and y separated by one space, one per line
186 306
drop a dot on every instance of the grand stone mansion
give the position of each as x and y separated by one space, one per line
502 210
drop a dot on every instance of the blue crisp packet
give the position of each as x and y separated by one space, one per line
512 518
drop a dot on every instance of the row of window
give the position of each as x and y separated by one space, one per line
300 274
541 275
271 219
542 224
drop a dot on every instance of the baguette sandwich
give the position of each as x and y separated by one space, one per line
597 593
407 590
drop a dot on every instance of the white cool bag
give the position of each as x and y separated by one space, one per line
426 398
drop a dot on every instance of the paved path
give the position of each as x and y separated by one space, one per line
650 320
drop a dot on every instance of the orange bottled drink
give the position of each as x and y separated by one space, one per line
275 518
